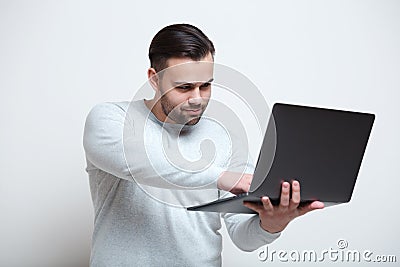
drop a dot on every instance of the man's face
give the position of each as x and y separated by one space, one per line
185 88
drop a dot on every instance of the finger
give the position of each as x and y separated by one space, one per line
315 205
285 195
295 201
243 182
310 207
248 178
267 204
246 188
237 191
254 206
247 182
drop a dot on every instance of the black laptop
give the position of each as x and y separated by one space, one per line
321 148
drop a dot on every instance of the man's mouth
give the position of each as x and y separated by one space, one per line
193 111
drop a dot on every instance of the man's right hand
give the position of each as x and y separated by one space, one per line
235 182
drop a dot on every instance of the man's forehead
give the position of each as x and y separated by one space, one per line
187 69
192 71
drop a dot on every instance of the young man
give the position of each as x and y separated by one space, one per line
139 187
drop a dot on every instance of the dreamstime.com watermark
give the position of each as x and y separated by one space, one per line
339 254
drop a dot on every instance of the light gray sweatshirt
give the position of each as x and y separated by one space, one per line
140 189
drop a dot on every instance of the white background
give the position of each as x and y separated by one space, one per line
59 58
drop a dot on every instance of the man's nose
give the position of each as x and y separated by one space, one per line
195 97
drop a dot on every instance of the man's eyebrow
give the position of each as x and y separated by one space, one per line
182 82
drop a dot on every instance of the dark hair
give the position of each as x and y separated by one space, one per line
178 40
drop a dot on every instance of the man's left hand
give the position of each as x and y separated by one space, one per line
275 218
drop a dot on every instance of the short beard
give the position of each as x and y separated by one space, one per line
169 109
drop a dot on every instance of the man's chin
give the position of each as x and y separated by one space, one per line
193 121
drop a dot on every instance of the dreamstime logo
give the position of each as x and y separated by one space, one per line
341 254
342 244
178 163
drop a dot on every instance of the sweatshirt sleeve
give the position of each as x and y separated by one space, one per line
245 231
103 139
113 141
113 145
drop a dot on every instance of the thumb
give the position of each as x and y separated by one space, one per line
315 205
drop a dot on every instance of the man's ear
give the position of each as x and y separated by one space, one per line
153 78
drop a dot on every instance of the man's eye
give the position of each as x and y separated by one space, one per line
205 85
184 87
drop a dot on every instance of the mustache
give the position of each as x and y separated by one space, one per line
194 107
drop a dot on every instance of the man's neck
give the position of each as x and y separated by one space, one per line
155 107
